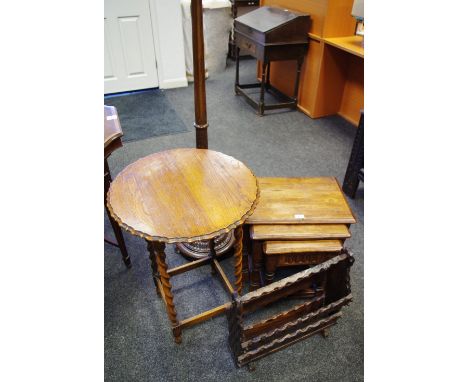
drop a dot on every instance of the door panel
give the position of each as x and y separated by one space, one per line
129 57
131 44
108 65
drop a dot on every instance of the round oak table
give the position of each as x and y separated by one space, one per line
185 195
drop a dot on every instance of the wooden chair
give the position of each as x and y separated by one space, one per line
355 170
331 283
112 141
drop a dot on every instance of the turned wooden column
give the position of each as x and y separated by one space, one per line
201 121
238 233
157 251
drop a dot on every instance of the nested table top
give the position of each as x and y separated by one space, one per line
183 195
301 201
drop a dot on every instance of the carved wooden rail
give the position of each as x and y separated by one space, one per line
329 280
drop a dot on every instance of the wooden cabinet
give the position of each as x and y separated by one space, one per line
332 79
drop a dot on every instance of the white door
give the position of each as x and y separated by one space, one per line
129 58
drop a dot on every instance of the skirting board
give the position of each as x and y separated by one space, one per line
173 83
350 120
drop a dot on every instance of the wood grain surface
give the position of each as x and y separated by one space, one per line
183 195
301 201
298 231
280 247
350 44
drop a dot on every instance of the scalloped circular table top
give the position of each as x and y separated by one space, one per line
183 195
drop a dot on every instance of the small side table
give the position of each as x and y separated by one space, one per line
185 195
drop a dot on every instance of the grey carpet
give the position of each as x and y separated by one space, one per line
146 114
138 341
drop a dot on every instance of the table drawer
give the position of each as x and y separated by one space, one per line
246 44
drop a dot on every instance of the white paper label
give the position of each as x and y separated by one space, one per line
299 216
111 117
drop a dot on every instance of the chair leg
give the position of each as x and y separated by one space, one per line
115 227
120 240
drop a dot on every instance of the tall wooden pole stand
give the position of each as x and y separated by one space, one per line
201 122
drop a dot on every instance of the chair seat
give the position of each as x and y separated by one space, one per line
298 231
287 247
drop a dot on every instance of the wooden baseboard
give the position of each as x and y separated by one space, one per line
349 119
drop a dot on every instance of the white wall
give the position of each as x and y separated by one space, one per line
169 43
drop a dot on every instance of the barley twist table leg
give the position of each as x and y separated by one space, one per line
238 259
154 267
158 248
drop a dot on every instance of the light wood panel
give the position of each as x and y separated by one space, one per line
283 75
286 247
183 195
298 231
301 201
350 44
331 82
330 18
339 21
352 100
309 85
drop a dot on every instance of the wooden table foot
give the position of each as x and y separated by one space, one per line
177 333
325 333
